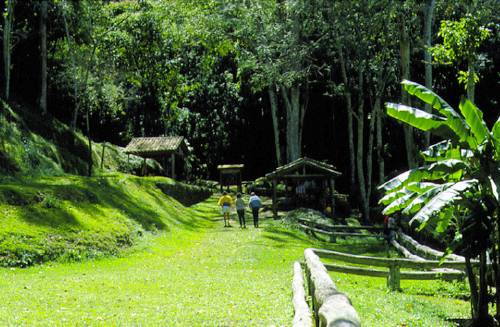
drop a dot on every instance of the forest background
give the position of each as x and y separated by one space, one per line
259 82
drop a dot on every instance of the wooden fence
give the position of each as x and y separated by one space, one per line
334 231
393 265
302 316
423 250
330 307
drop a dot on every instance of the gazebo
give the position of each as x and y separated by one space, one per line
308 182
230 175
164 149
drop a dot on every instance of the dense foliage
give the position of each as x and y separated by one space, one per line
257 81
457 189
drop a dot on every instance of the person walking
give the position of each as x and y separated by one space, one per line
254 203
225 202
240 209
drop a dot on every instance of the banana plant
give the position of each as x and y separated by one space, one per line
457 188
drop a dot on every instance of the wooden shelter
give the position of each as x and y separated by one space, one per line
308 183
230 175
165 149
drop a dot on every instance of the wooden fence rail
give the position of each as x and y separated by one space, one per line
330 307
394 265
335 231
423 250
302 316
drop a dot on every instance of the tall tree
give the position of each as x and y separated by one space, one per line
8 18
43 56
406 20
461 42
428 21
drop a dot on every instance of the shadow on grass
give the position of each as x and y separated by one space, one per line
42 203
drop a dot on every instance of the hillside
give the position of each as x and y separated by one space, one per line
35 145
50 212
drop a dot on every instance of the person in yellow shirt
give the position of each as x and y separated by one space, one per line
225 202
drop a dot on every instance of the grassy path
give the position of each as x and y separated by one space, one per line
205 275
201 274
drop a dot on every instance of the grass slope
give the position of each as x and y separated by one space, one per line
72 217
201 274
34 145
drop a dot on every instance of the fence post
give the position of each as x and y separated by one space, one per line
393 279
333 238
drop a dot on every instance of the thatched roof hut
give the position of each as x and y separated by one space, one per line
230 175
159 148
156 146
313 181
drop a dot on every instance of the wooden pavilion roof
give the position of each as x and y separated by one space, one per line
297 165
155 146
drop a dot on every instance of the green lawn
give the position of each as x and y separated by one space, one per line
200 274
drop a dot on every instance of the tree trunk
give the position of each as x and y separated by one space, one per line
350 132
303 110
73 64
496 249
473 287
429 15
369 153
380 148
8 19
43 57
374 125
470 80
405 74
292 103
482 312
360 151
89 163
273 99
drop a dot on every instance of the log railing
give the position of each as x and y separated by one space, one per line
394 265
302 316
330 307
423 250
334 231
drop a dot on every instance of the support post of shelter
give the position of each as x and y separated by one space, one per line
275 211
331 186
144 168
172 156
240 188
220 182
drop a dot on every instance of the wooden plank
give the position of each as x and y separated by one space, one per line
394 277
341 227
302 316
386 262
409 275
430 275
356 270
317 230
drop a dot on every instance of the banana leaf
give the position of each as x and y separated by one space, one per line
454 121
415 117
435 171
390 197
495 131
445 150
474 118
417 203
399 204
448 197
